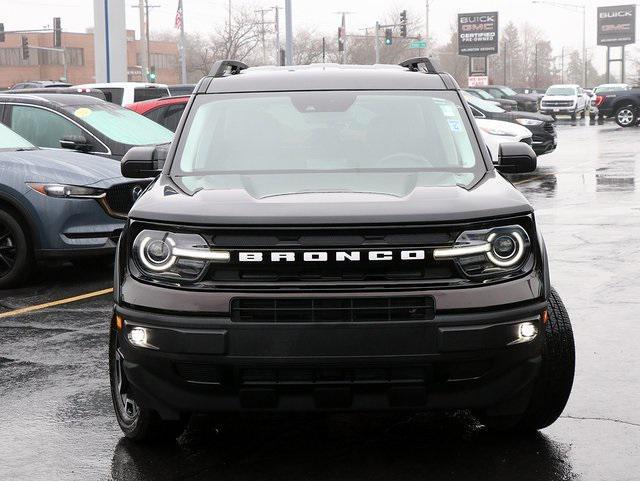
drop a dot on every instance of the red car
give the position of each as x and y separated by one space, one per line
166 111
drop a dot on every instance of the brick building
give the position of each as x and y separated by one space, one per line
47 65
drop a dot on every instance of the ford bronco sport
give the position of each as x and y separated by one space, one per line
333 238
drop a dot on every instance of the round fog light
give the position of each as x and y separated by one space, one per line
528 330
138 335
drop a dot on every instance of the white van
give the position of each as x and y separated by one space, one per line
125 93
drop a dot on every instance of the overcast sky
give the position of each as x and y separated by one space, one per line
562 27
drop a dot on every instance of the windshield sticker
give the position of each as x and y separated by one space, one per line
455 125
82 112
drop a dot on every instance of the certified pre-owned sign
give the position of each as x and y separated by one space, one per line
616 25
478 34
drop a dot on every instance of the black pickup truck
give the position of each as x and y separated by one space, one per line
622 105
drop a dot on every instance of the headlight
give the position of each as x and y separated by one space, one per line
500 132
168 255
489 252
67 191
529 122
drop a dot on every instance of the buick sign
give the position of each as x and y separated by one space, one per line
478 34
616 25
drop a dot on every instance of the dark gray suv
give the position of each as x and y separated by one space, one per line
333 238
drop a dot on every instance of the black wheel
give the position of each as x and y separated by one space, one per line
137 422
15 256
574 114
553 386
626 116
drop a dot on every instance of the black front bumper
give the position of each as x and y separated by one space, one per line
458 360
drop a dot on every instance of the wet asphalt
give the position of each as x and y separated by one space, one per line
56 419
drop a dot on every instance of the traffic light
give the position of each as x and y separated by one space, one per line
57 32
388 36
340 39
25 48
1 32
152 74
403 23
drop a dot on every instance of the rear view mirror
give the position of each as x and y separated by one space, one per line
516 158
75 142
144 162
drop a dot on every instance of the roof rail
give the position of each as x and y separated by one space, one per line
227 67
413 64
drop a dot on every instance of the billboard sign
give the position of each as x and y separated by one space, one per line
478 34
616 25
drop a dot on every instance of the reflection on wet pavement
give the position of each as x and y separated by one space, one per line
56 418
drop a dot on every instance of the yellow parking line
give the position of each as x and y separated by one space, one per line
38 307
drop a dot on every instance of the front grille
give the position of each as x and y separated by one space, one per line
120 198
557 103
377 309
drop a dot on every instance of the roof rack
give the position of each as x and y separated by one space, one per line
413 64
223 68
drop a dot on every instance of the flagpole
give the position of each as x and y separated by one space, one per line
183 49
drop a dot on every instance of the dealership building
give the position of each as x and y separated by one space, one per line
79 49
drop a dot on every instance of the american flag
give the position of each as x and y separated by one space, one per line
179 16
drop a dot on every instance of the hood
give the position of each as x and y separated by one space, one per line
251 202
571 98
516 114
62 166
526 98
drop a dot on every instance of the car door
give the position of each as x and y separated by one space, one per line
45 127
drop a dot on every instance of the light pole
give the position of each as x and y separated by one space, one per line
575 8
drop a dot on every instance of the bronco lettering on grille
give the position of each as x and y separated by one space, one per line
338 256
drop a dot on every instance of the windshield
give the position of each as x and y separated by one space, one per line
120 124
345 135
484 105
9 140
509 91
484 95
567 91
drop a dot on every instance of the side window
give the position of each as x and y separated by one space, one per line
113 95
41 127
167 116
496 93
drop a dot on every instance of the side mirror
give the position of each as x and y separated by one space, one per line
516 158
144 162
75 142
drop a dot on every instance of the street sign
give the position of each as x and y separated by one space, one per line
418 44
478 81
478 34
616 25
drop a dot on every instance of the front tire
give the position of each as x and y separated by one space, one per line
626 116
555 379
15 254
138 423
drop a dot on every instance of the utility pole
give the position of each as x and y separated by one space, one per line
504 62
277 27
536 59
426 20
263 34
143 36
143 7
377 42
344 33
289 31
